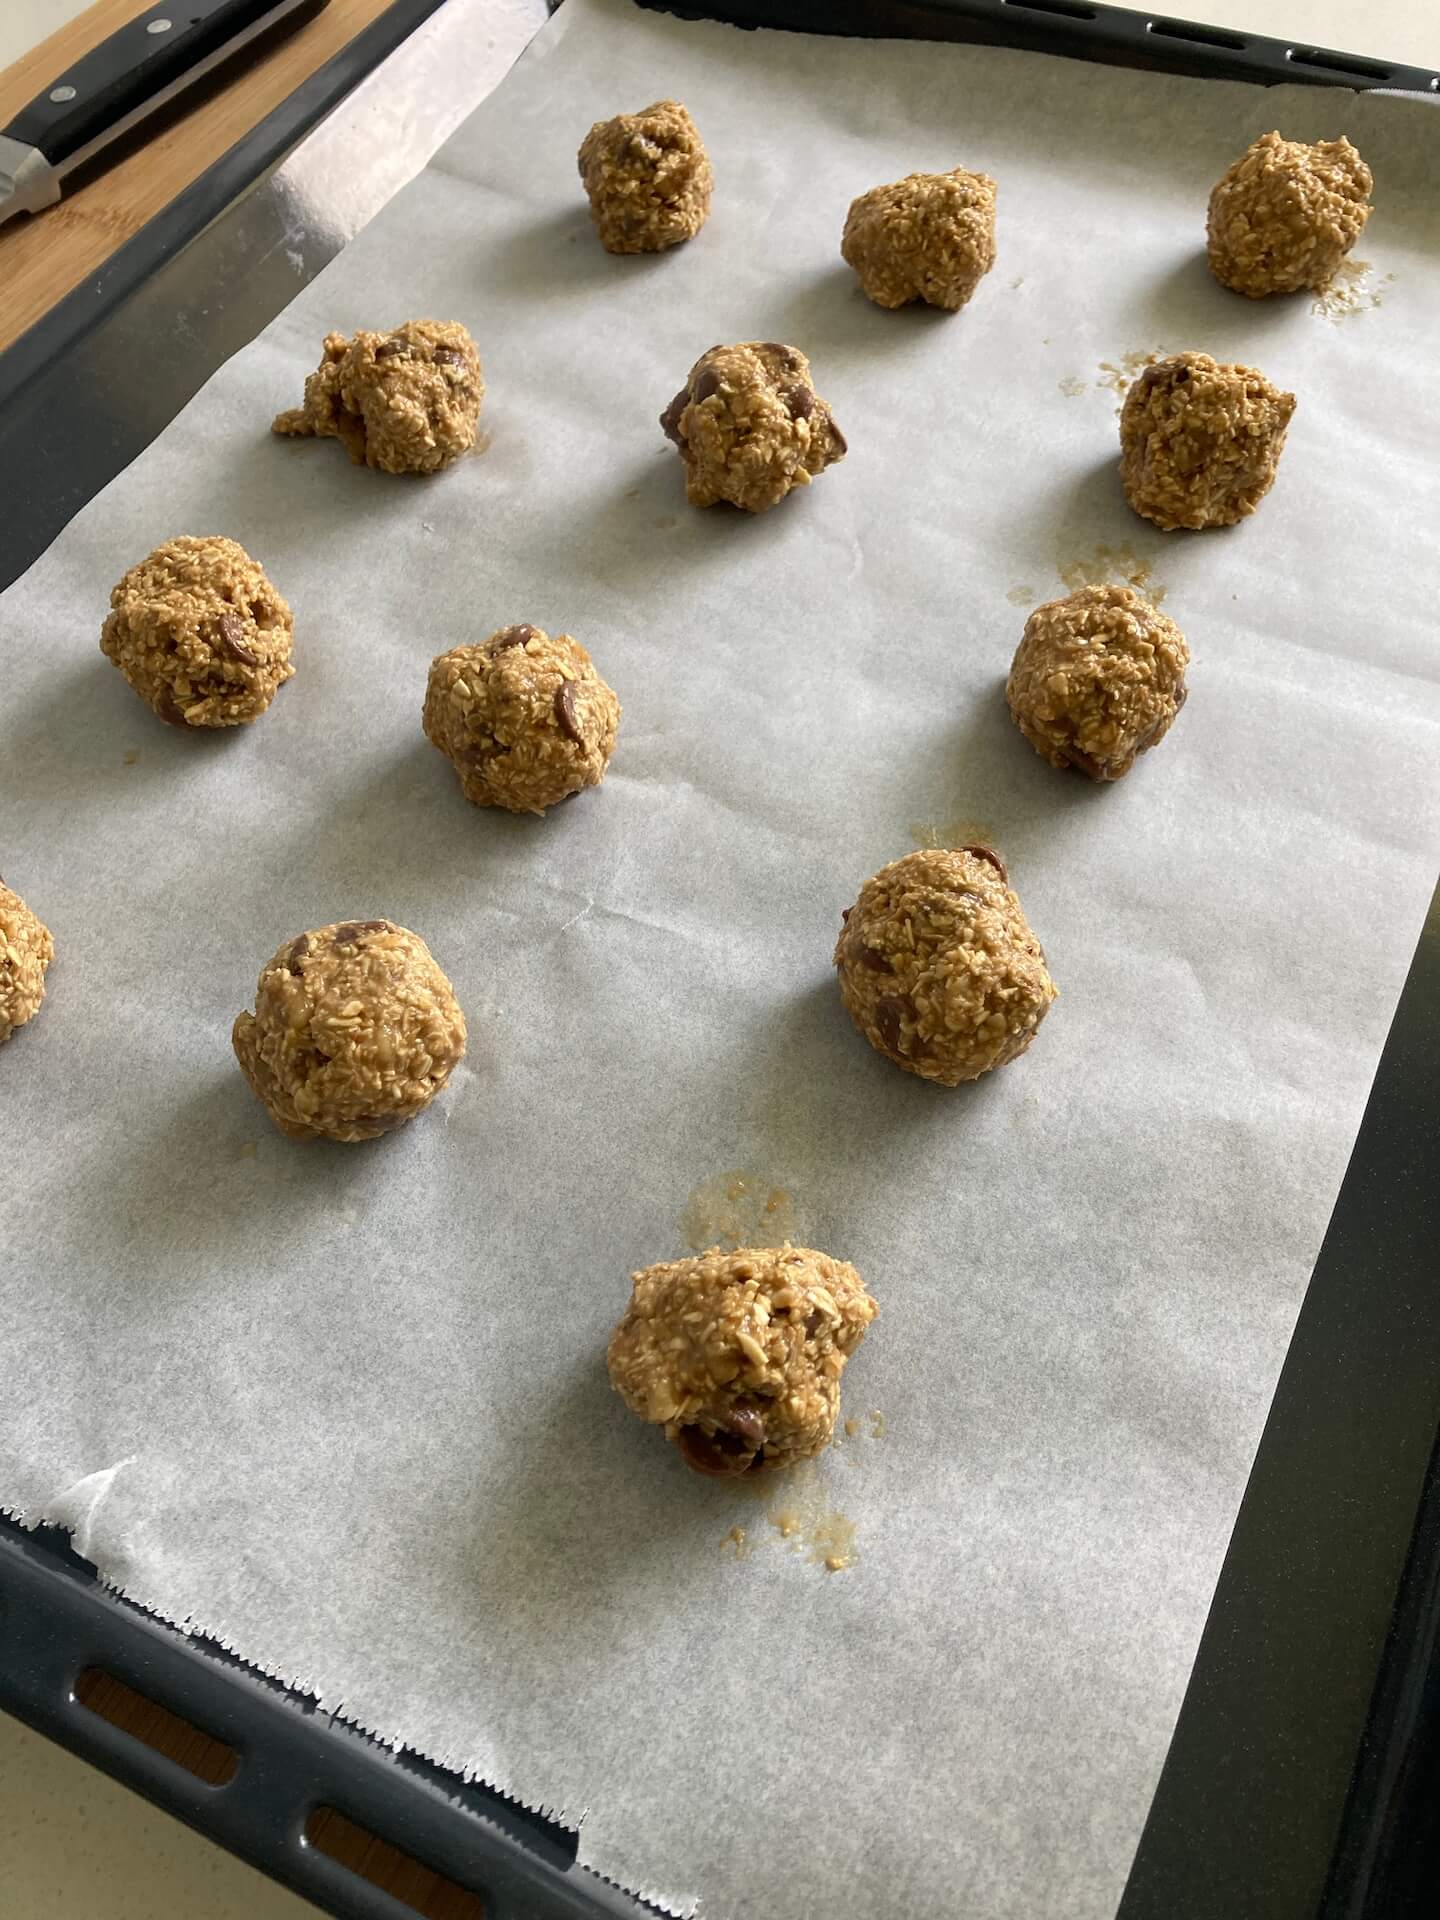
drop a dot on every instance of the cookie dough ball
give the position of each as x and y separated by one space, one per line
1098 678
939 968
648 177
26 950
355 1031
200 633
525 720
739 1355
930 237
1200 441
406 401
1286 214
750 426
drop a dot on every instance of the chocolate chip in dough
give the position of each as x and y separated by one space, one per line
670 418
989 853
232 638
717 1455
889 1013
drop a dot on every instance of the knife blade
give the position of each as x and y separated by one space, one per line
120 83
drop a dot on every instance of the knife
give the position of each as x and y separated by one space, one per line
116 85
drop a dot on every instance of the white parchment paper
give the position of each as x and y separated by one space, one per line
346 1407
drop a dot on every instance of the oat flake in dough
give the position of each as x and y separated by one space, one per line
648 178
739 1355
355 1030
1200 441
26 950
524 718
930 237
750 426
407 401
1285 215
200 633
1097 679
938 967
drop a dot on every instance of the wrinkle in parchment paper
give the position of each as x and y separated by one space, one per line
361 1392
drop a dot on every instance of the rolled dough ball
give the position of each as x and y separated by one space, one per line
1286 214
26 950
1200 441
1098 678
200 633
930 237
648 177
525 719
406 401
739 1355
939 968
750 426
355 1031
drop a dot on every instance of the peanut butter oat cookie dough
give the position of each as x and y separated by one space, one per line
200 633
1285 215
26 950
355 1031
739 1355
1200 441
648 177
1098 678
939 968
750 426
406 401
525 719
930 237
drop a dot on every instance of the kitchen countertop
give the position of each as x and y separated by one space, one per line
42 259
73 1841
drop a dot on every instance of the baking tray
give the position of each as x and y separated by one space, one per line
1301 1779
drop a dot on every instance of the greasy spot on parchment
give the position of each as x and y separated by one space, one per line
954 832
800 1516
833 1544
1119 376
853 1429
738 1208
1103 564
1022 596
803 1517
1072 386
1353 290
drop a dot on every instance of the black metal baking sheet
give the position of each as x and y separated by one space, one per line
1299 1781
1094 32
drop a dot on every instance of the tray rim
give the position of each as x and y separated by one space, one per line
60 1618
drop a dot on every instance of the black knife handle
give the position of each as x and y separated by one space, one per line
118 80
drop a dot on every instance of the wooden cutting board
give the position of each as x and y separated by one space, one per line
43 256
